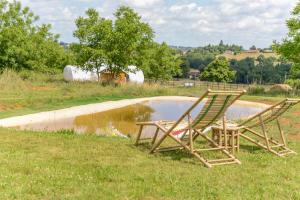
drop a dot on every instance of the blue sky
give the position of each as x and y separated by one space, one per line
182 22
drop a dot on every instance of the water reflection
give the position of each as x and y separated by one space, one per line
122 120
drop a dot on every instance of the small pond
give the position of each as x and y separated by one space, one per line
122 120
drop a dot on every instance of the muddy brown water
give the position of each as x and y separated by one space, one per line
122 120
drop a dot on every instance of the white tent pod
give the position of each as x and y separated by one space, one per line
74 73
137 76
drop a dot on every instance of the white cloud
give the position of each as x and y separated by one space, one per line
186 22
143 3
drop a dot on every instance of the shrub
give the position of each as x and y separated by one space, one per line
11 80
295 83
31 75
255 90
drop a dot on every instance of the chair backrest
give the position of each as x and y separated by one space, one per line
270 114
216 104
215 107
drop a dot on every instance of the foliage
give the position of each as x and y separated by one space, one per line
290 48
295 71
262 70
93 33
200 57
253 47
256 90
10 80
218 71
117 44
25 45
244 70
185 67
131 38
295 83
161 62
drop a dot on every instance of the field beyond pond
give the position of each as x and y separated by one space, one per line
37 165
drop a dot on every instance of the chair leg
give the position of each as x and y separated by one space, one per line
155 136
191 142
281 133
264 132
139 135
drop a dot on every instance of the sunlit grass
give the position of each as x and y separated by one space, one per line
67 166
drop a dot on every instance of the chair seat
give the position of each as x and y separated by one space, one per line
178 131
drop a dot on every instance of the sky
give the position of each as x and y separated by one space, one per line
181 22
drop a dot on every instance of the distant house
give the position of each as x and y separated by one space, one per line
194 73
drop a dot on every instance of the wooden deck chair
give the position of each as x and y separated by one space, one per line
185 130
261 138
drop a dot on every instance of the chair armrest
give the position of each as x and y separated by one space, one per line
153 123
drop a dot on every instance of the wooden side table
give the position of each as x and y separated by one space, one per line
229 139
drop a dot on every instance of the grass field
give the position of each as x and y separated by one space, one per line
37 165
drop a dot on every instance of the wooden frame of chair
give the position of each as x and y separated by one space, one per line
213 110
261 119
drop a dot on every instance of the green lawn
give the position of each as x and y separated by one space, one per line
61 166
67 166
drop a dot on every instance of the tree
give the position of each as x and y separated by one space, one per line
218 71
267 71
117 44
161 62
25 45
253 47
93 33
262 70
185 67
290 46
130 39
200 57
221 43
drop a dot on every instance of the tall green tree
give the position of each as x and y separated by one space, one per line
116 44
290 46
130 39
161 62
218 71
25 45
94 34
185 67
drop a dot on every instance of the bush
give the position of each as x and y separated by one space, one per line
11 80
295 83
40 77
256 90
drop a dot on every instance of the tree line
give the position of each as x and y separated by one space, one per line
127 40
260 70
117 44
